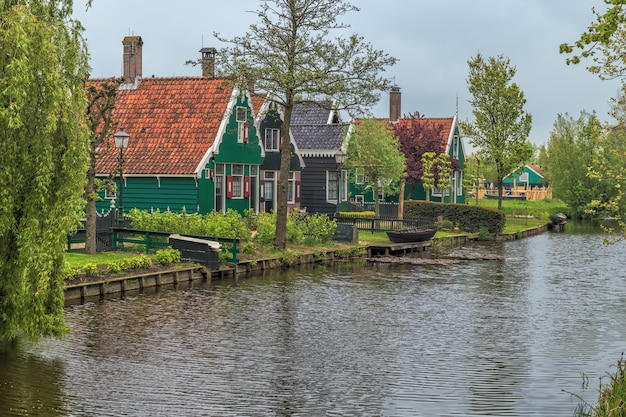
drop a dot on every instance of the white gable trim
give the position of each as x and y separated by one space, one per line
214 148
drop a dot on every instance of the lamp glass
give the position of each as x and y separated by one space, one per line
121 139
340 156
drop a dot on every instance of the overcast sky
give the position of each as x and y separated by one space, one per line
433 41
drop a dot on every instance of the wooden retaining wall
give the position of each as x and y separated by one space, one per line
83 291
136 283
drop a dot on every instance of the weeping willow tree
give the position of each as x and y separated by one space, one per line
44 141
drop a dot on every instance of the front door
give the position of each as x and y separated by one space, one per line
269 191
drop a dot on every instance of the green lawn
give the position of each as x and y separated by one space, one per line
78 260
541 209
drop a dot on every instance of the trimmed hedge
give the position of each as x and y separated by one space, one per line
468 218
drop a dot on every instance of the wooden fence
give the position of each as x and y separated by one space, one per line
381 224
151 241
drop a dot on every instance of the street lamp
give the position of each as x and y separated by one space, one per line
340 157
121 142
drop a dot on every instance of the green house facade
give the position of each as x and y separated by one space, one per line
194 144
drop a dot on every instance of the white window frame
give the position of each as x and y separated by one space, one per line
110 195
241 114
359 176
274 139
291 188
329 181
237 180
523 177
436 192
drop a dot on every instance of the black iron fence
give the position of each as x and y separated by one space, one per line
386 209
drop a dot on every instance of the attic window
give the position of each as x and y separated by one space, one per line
272 142
241 113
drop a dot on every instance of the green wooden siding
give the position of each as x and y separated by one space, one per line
148 193
231 150
533 178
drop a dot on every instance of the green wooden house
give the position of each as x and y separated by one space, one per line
451 143
527 176
193 143
269 121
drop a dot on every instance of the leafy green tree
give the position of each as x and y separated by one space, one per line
44 140
436 173
292 54
570 152
607 35
501 126
473 176
373 148
428 175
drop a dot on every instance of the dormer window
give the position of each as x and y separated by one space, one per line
272 139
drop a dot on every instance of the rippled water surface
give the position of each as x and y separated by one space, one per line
507 337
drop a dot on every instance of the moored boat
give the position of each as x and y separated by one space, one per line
416 234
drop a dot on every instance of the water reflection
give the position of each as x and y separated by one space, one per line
30 385
501 337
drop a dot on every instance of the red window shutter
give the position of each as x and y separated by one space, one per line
229 187
262 187
246 187
245 132
297 191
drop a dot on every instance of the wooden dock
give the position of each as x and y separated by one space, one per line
386 249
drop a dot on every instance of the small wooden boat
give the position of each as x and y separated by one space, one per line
416 234
558 218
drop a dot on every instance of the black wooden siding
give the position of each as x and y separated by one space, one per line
313 185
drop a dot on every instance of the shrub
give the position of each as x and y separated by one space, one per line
116 267
91 270
216 224
446 224
363 214
266 227
167 256
140 262
483 234
319 227
469 218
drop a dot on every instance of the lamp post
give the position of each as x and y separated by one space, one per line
121 142
340 157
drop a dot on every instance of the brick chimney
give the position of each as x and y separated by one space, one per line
208 62
132 58
395 104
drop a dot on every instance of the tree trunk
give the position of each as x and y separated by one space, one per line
90 209
401 199
280 237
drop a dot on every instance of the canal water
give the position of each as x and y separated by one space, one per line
516 336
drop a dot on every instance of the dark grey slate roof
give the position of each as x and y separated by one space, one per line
310 113
318 137
312 132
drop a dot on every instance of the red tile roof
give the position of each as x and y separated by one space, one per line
172 122
537 169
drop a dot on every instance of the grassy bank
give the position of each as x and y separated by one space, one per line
540 209
612 395
521 215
